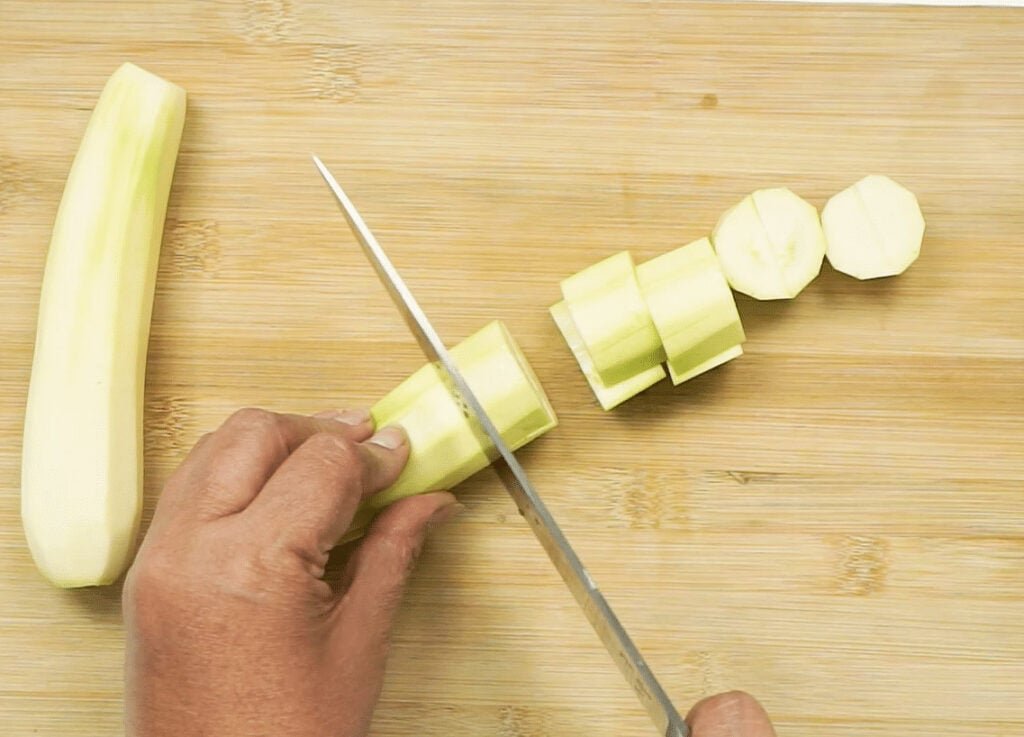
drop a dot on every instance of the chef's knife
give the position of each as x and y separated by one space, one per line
533 509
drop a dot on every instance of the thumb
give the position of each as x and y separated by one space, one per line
380 567
732 714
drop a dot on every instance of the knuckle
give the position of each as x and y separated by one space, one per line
391 598
739 700
393 577
288 560
734 698
245 574
149 583
735 708
260 426
340 454
403 551
217 497
205 438
252 418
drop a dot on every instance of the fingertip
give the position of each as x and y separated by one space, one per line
381 565
730 714
392 437
444 515
352 417
386 453
415 515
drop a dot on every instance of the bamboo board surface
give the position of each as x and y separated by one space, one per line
834 521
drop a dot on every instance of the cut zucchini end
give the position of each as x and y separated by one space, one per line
597 278
685 374
770 245
82 574
496 369
692 307
88 553
543 418
612 319
873 229
444 448
608 396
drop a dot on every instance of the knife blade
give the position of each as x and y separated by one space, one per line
568 564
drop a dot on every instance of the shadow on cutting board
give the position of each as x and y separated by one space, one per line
663 400
98 603
764 322
830 291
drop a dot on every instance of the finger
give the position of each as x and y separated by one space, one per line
228 467
357 530
310 500
379 569
732 714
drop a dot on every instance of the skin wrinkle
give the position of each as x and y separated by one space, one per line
231 629
731 714
226 611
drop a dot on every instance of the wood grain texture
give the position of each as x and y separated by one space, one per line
834 522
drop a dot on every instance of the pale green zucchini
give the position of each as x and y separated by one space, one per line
692 308
873 228
770 245
611 317
608 397
445 450
81 490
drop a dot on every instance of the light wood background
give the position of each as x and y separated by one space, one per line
834 522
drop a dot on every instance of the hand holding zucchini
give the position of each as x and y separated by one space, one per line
445 450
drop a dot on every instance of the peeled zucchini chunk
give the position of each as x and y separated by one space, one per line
692 308
770 245
81 473
873 228
608 396
444 449
678 377
612 319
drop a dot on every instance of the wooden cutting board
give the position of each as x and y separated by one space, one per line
834 522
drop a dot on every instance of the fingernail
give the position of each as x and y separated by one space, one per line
391 438
347 416
444 514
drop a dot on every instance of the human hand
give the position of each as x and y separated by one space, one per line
732 714
231 629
